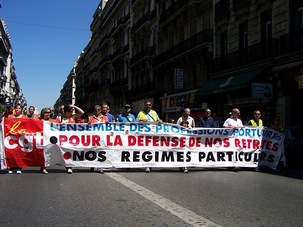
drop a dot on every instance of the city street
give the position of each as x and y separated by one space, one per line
164 197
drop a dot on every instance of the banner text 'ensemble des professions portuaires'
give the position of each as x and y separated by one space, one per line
130 145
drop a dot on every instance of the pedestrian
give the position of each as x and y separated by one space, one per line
45 116
186 118
148 115
256 121
276 124
186 121
60 113
207 121
31 113
97 116
233 121
17 113
126 116
106 111
70 115
9 109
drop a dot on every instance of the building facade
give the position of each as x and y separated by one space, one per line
194 53
10 90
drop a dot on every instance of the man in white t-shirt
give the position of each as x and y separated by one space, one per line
233 121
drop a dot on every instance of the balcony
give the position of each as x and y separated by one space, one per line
117 85
252 54
291 42
237 4
222 9
193 42
141 90
147 52
145 19
172 10
120 52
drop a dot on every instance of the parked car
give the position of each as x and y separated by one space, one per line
294 146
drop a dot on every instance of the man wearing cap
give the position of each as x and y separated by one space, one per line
126 116
9 109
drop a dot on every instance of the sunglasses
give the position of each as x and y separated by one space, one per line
148 104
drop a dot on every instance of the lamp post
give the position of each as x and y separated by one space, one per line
74 83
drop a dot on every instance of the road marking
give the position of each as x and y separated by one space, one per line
186 215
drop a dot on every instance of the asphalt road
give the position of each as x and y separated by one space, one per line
203 197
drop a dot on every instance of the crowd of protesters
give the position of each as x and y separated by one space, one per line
101 113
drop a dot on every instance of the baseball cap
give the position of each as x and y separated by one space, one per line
8 104
127 105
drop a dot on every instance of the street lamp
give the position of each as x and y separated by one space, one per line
74 83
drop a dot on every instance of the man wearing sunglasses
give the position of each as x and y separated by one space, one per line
256 121
148 115
233 121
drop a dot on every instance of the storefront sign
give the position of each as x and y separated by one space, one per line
179 74
261 91
177 102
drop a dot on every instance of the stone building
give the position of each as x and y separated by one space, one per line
10 90
257 60
195 53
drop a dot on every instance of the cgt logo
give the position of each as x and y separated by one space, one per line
99 156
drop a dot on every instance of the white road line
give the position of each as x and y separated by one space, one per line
179 211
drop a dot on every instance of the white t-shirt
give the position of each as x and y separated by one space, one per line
236 122
190 120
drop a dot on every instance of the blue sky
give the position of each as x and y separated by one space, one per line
46 37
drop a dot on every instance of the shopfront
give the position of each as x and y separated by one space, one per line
247 91
174 104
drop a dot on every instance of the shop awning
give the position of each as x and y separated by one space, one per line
232 83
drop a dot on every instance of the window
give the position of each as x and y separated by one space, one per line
266 26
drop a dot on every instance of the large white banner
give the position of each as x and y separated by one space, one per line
125 145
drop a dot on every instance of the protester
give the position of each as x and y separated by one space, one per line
148 115
9 109
17 113
45 116
276 124
233 121
31 113
70 115
97 116
60 113
106 111
186 118
127 116
256 121
207 121
186 121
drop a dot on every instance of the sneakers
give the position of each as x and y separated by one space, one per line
100 170
44 171
10 172
69 171
147 170
185 170
18 171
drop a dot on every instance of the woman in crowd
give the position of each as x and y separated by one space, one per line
17 114
71 113
45 116
97 116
